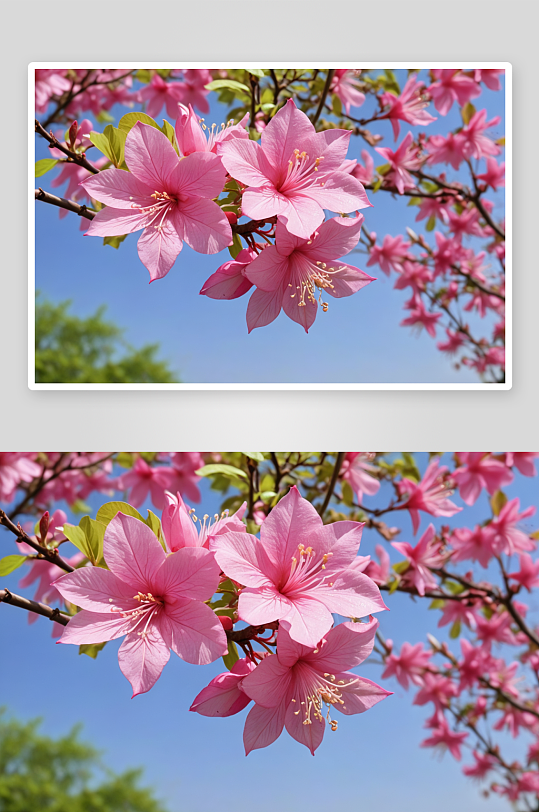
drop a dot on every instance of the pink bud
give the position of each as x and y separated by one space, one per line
226 622
231 217
73 134
44 523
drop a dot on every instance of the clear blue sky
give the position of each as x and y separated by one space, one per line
205 341
197 764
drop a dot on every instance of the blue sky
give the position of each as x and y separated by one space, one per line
197 764
205 341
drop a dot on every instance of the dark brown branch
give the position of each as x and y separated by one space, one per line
325 92
244 635
336 471
252 225
50 555
75 157
33 606
72 93
62 203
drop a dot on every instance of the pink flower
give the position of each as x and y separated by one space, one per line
193 88
430 495
475 663
495 174
528 574
477 471
507 537
405 159
229 280
144 480
448 251
224 695
489 77
379 572
495 629
294 172
523 461
452 85
299 571
290 273
426 554
194 136
355 470
446 739
294 687
343 87
408 666
49 82
389 255
447 150
408 107
457 612
168 198
185 465
455 340
413 275
476 144
474 545
180 524
160 93
155 600
16 467
363 173
484 763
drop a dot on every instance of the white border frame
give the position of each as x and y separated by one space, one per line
272 386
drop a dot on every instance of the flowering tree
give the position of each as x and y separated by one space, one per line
262 186
275 586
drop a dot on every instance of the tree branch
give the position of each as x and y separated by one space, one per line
33 606
50 555
325 92
62 203
336 470
75 157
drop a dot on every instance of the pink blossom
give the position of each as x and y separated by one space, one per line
294 172
229 280
355 470
457 612
495 174
452 86
474 545
343 87
224 695
523 461
299 571
159 93
484 763
420 316
408 107
455 340
290 273
446 739
430 495
447 149
489 77
479 470
528 574
49 82
16 467
389 255
192 135
193 88
408 666
507 537
363 173
185 465
475 664
495 629
180 524
155 600
476 144
426 554
436 689
294 687
448 251
404 160
144 480
433 207
465 222
413 275
168 198
379 572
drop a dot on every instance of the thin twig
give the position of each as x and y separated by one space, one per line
33 606
62 203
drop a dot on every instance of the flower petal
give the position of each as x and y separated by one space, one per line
348 280
158 249
201 174
246 162
304 214
286 131
308 620
111 222
340 192
132 551
263 726
263 308
362 695
259 606
268 683
191 572
119 189
193 631
202 225
344 647
221 697
263 203
310 735
94 627
335 237
150 156
292 521
243 557
142 658
353 594
96 589
268 270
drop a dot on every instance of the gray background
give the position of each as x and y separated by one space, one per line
268 31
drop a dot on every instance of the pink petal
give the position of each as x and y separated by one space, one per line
268 683
193 632
348 280
111 222
292 522
346 646
286 242
228 282
360 696
259 606
268 270
158 249
244 558
202 225
308 620
353 594
150 155
303 215
246 162
118 189
288 650
199 175
191 572
132 552
309 735
93 587
142 658
285 132
263 308
263 726
94 627
335 238
301 314
222 697
340 192
260 204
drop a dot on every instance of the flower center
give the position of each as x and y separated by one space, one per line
321 692
305 570
312 278
158 210
299 172
207 524
148 606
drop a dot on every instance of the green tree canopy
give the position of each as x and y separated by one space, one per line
70 349
62 775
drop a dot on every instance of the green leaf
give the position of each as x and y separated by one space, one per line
336 106
94 532
77 536
383 169
455 588
347 494
218 468
401 566
256 72
497 502
154 523
108 511
128 121
455 630
91 649
231 84
232 657
377 185
393 586
254 455
115 242
168 130
236 246
431 222
116 140
45 165
11 563
267 483
144 76
101 141
437 603
267 107
467 112
103 116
